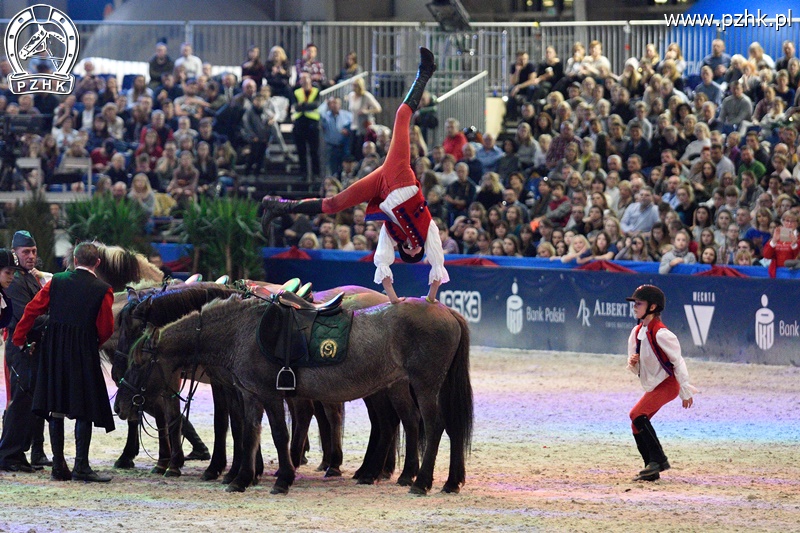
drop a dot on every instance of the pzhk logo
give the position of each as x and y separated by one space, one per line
699 316
468 303
54 39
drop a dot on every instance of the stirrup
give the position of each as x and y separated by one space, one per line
286 379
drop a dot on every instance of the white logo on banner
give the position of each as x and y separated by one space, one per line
584 313
699 316
55 36
514 314
765 325
468 303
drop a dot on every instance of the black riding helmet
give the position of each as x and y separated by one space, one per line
650 294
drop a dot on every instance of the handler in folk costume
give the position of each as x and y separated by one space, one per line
394 195
70 380
655 356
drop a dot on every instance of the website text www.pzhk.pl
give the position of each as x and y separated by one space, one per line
732 20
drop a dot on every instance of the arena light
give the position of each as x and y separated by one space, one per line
450 14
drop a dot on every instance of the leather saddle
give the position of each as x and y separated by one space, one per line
285 331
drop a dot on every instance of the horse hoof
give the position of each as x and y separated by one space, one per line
417 491
172 472
304 460
160 470
279 489
451 489
405 481
209 475
256 481
386 475
333 472
322 467
228 478
123 463
366 480
234 487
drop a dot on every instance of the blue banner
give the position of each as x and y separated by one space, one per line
723 319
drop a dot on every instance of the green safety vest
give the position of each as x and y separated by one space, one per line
300 95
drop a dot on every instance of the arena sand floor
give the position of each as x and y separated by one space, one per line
552 451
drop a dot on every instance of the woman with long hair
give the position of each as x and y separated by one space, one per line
364 106
491 190
635 249
253 68
277 71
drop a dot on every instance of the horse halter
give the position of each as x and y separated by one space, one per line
138 399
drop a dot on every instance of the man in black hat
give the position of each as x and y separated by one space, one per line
9 264
70 379
20 428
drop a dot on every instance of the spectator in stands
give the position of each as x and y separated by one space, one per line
207 167
309 240
491 190
119 191
150 149
230 88
521 79
185 178
277 72
717 60
336 128
86 111
158 125
191 104
309 64
306 124
138 90
635 249
102 188
253 68
760 233
101 156
737 109
455 139
116 169
461 193
256 130
363 106
167 163
168 90
579 249
142 193
89 81
116 126
192 64
351 68
639 217
489 154
708 256
65 135
159 64
679 254
559 145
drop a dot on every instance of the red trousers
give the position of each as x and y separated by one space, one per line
395 172
652 401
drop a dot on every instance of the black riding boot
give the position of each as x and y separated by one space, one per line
199 449
275 207
82 470
645 453
60 471
657 460
38 457
427 66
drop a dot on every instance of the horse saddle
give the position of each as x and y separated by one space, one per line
296 333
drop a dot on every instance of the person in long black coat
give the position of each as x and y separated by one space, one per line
20 429
70 379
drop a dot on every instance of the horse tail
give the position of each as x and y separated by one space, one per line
455 399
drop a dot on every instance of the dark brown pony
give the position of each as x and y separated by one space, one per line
423 344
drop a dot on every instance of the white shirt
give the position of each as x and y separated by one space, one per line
649 368
384 252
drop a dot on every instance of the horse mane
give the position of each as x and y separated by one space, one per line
120 267
172 304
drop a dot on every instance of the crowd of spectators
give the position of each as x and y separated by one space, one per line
647 164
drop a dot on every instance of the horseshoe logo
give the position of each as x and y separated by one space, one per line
327 349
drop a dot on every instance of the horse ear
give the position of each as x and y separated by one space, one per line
132 296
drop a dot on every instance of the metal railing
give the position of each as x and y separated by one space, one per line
466 103
391 46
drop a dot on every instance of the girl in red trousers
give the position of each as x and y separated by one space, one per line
393 195
655 356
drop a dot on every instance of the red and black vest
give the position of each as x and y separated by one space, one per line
652 329
413 216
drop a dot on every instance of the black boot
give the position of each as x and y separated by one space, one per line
38 457
643 451
82 470
275 207
60 471
427 66
657 460
199 449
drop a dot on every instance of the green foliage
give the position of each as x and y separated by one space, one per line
110 221
226 235
34 216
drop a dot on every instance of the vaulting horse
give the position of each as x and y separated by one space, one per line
156 309
426 345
